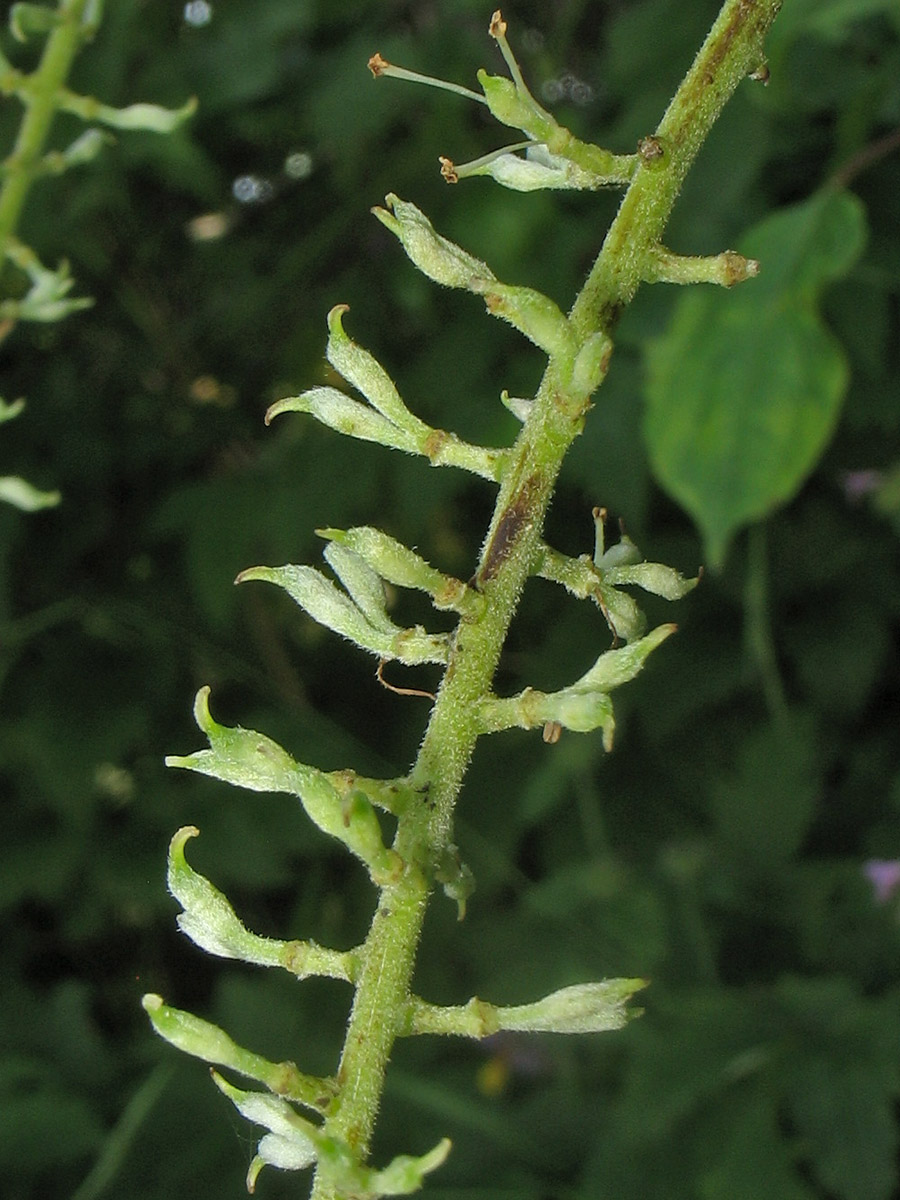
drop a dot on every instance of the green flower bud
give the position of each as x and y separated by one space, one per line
240 756
191 1034
205 1041
532 313
622 612
582 1008
362 583
404 568
368 376
591 364
456 879
581 712
405 1174
725 269
652 577
583 706
249 759
341 413
22 495
212 924
83 150
150 117
520 408
537 171
513 108
290 1143
361 831
46 299
435 256
335 610
208 918
615 667
9 410
348 416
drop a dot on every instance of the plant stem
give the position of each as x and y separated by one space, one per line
732 50
44 85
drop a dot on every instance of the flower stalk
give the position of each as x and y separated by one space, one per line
43 94
420 852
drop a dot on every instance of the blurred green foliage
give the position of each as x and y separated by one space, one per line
720 850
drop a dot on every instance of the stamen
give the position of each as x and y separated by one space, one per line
497 30
453 173
380 66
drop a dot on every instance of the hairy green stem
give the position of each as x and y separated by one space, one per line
732 50
44 86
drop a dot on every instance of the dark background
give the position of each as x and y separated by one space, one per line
711 852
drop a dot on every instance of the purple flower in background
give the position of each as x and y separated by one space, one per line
858 485
884 876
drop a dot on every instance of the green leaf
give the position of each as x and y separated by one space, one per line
748 1157
824 18
841 1081
744 389
847 1121
764 806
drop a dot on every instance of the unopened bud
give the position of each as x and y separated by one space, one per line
532 313
435 256
150 117
582 1008
341 413
208 918
367 375
515 108
335 610
402 567
239 756
363 585
290 1142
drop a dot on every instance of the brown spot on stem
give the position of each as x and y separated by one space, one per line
608 315
650 149
434 443
448 170
516 518
738 268
378 65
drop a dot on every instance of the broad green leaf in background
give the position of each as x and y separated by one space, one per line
840 1081
823 18
744 390
764 807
